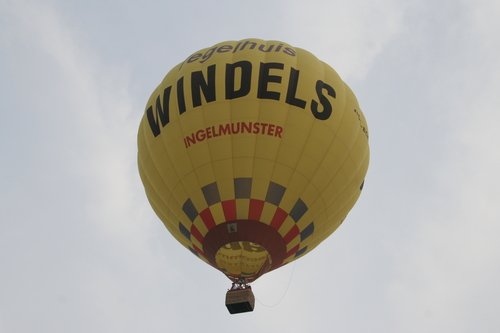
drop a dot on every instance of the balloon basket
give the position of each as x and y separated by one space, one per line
240 300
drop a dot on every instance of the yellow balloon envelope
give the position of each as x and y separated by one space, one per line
252 152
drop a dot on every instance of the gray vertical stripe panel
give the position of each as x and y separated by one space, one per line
190 210
298 210
275 193
301 252
307 231
193 251
242 188
186 233
211 193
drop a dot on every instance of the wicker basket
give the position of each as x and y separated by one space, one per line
240 300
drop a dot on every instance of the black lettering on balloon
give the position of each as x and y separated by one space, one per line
199 85
265 78
160 118
180 96
262 47
326 112
245 67
290 51
292 90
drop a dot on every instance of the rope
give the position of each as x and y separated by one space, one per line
284 293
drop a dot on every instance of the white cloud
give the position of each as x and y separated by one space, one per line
81 237
346 35
92 120
448 280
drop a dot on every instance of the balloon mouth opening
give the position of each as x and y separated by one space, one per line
243 260
244 249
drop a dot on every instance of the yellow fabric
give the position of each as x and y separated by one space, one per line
253 109
241 259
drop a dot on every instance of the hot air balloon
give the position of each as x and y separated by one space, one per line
251 153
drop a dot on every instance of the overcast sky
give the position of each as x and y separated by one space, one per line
82 251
